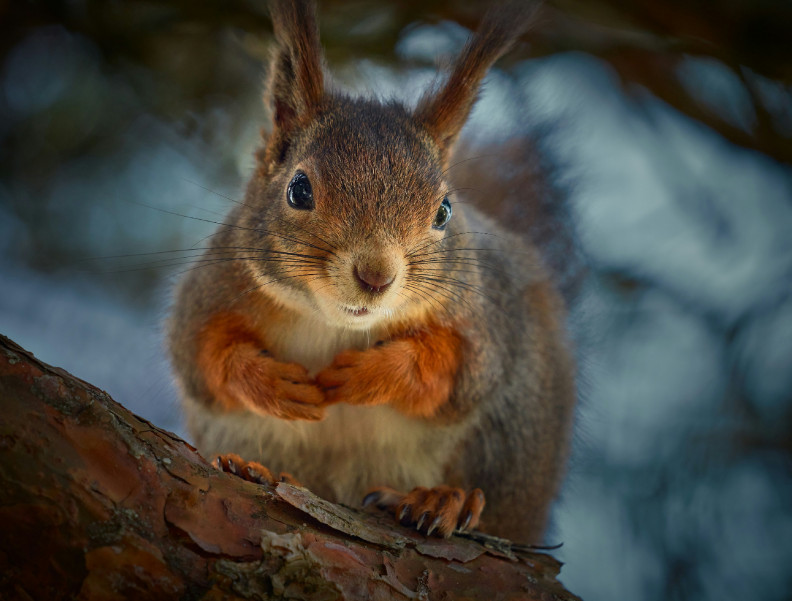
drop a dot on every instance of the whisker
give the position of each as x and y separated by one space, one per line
465 249
421 270
449 293
459 265
244 204
454 282
274 281
445 239
197 264
211 258
207 251
428 296
481 156
234 226
451 191
465 261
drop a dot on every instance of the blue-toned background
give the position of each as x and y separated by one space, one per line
681 483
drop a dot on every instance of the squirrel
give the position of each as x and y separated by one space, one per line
349 325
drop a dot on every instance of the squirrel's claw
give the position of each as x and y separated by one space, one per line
437 510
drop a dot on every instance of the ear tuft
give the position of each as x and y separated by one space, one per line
444 111
295 89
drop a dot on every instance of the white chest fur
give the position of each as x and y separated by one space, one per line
312 343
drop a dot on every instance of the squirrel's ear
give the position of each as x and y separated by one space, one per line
444 111
296 83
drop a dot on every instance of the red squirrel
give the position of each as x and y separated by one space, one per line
351 326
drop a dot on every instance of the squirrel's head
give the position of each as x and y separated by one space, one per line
349 210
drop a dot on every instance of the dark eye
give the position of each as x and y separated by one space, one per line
299 194
443 215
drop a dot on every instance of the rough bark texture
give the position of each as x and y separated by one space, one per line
97 503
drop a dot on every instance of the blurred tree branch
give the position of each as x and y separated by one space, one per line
645 41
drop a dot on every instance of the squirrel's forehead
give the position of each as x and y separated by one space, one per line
385 144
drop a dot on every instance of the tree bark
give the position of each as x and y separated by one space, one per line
97 503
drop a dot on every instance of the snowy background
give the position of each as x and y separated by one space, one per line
680 486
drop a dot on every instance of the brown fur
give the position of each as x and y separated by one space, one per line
454 375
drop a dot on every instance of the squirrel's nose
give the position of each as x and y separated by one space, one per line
372 280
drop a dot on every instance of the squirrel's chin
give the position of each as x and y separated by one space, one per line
358 317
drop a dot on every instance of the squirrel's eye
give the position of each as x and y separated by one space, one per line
443 215
299 194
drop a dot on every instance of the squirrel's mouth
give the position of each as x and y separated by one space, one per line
356 311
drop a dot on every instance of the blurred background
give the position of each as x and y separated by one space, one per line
661 139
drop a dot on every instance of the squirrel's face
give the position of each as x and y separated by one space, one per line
347 212
347 218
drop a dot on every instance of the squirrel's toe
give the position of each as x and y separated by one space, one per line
252 471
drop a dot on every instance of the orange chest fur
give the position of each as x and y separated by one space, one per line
414 367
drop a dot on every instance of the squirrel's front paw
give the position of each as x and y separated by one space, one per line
281 389
353 378
252 471
437 510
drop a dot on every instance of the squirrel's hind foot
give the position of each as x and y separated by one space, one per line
252 471
439 510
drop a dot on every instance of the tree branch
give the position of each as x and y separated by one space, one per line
97 503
